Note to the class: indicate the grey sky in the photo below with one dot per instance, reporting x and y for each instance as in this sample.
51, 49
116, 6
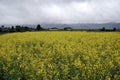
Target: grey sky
59, 11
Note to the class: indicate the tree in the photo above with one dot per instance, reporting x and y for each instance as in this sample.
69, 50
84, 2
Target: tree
18, 28
12, 29
2, 28
26, 28
103, 29
39, 27
114, 29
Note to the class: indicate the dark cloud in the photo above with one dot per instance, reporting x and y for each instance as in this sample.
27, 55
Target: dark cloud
58, 11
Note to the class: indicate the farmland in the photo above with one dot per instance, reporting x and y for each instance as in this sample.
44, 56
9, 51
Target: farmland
60, 55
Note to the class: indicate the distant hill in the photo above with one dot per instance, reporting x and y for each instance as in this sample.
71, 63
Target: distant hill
84, 26
77, 26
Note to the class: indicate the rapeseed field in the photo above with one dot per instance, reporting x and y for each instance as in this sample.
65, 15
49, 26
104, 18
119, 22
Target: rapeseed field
60, 55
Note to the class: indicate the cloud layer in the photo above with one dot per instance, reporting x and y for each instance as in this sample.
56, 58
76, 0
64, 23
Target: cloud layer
59, 11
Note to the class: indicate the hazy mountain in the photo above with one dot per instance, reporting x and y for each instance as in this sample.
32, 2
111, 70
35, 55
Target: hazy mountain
77, 26
84, 26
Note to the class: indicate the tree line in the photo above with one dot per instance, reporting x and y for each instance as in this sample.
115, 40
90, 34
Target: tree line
19, 28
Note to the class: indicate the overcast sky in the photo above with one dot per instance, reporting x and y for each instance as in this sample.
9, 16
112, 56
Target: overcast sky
59, 11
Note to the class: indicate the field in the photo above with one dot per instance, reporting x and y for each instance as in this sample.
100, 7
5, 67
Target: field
60, 55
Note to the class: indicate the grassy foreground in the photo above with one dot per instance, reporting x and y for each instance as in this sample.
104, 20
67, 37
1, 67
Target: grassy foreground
60, 56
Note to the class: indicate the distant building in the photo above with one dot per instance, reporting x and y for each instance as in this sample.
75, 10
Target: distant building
54, 28
67, 28
5, 29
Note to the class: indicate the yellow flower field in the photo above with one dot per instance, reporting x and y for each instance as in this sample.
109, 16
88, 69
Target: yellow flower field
60, 55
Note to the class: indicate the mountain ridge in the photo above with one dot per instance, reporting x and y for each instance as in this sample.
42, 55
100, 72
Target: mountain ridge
110, 25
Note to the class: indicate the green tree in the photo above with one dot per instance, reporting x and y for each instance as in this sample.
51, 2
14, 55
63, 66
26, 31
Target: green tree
12, 29
39, 27
18, 28
103, 29
114, 29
